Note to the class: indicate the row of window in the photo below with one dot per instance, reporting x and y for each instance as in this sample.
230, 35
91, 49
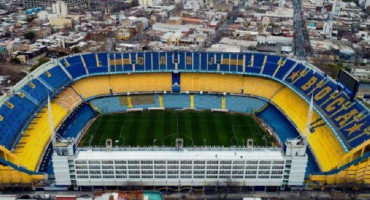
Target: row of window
177, 176
178, 167
79, 172
195, 162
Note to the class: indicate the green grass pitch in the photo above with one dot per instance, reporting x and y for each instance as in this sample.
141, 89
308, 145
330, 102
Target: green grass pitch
161, 128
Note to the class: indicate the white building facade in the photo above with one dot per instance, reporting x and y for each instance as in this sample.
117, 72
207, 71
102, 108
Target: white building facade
182, 167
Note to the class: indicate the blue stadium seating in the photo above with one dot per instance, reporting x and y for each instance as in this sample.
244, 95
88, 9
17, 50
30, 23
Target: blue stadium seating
109, 105
207, 101
176, 101
244, 104
14, 116
74, 66
94, 64
76, 121
285, 130
36, 90
55, 77
284, 69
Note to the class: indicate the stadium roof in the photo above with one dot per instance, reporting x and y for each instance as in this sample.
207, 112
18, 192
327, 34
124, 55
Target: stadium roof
255, 154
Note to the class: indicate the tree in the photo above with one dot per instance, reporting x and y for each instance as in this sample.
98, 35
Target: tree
76, 49
223, 188
30, 35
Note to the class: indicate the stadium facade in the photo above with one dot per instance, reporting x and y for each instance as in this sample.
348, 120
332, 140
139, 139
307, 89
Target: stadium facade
337, 133
158, 166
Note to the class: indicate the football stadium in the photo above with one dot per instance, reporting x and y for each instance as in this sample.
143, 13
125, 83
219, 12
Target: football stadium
182, 119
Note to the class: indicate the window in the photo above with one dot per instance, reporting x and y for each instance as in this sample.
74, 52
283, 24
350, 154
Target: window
185, 167
172, 167
121, 176
147, 172
277, 172
81, 162
172, 172
121, 167
250, 177
160, 176
238, 167
94, 162
107, 166
198, 176
81, 172
251, 172
95, 172
121, 172
134, 176
94, 167
173, 162
133, 167
212, 162
185, 176
185, 172
225, 162
108, 176
186, 162
160, 172
162, 162
81, 167
159, 167
134, 172
173, 176
133, 162
265, 162
108, 172
107, 162
237, 172
210, 176
199, 162
276, 177
238, 177
251, 167
225, 167
95, 176
147, 167
225, 172
278, 162
264, 167
199, 172
147, 176
263, 177
120, 162
211, 172
252, 162
212, 167
238, 162
264, 172
82, 176
277, 167
199, 167
146, 162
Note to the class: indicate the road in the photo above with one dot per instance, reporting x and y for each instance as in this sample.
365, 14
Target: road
299, 27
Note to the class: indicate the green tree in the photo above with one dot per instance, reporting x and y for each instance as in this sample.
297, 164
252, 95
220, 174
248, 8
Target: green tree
30, 36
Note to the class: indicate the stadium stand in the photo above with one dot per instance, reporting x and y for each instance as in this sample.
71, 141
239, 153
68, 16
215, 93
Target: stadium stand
176, 101
74, 66
141, 82
207, 101
55, 77
38, 134
244, 104
76, 121
96, 63
68, 99
14, 114
92, 86
36, 90
322, 141
285, 130
111, 104
211, 82
261, 87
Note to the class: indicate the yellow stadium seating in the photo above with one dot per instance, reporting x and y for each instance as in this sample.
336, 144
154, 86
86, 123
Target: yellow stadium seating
322, 141
211, 82
147, 82
261, 87
92, 86
35, 139
9, 175
68, 99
